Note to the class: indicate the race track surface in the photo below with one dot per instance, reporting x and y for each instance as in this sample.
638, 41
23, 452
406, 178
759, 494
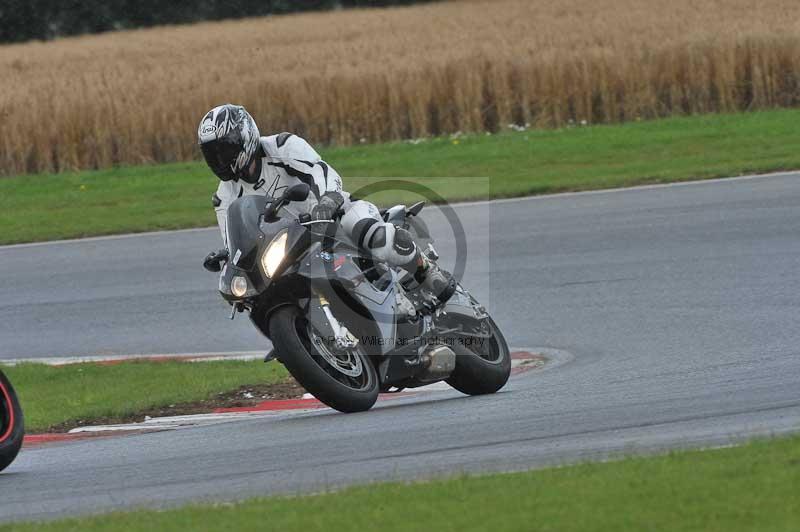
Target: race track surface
674, 311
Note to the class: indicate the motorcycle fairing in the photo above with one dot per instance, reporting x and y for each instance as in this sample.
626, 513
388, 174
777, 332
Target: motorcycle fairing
378, 304
244, 232
462, 304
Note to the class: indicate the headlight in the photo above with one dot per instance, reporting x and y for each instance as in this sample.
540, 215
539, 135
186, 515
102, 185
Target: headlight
239, 286
275, 253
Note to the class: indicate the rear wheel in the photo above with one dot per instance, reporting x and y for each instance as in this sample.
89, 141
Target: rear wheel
483, 364
342, 379
11, 423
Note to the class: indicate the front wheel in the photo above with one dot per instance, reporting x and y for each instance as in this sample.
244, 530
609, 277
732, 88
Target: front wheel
483, 364
344, 380
11, 424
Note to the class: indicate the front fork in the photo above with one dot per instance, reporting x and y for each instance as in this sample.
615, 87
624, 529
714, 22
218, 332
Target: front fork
343, 338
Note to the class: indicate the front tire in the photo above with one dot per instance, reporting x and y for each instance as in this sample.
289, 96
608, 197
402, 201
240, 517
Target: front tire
482, 369
348, 383
12, 428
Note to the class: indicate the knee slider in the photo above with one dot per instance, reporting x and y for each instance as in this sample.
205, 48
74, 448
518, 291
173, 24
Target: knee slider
403, 243
390, 244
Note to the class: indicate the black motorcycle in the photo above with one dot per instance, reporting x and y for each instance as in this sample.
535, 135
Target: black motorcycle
11, 424
346, 326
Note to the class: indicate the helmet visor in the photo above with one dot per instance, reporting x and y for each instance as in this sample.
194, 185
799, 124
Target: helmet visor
220, 156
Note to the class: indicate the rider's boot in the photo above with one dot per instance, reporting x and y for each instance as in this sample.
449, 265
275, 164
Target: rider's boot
434, 279
399, 249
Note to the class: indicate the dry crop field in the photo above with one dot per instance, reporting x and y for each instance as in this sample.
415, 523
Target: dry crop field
371, 75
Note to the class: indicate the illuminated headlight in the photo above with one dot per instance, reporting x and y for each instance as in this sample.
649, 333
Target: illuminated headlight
239, 286
275, 253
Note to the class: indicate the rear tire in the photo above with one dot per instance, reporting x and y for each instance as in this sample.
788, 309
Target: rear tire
304, 359
482, 370
12, 428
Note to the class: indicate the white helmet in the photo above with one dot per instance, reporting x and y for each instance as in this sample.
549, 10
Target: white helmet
229, 140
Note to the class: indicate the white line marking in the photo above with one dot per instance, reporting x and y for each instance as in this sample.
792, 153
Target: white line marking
107, 237
190, 357
555, 358
455, 204
615, 190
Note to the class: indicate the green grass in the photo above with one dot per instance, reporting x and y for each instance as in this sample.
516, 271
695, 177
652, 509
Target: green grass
56, 395
752, 487
174, 196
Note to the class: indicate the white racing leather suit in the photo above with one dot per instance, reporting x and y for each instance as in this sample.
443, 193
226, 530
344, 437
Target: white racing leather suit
289, 160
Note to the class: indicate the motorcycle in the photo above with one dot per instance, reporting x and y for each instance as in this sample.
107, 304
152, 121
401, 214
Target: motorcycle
345, 325
12, 428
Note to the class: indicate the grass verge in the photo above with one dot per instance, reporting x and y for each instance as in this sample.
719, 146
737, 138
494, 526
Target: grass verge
751, 487
62, 397
172, 196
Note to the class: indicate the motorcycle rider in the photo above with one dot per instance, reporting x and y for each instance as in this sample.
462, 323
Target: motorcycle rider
247, 163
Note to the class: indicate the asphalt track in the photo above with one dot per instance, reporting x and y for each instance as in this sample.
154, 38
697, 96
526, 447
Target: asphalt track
673, 309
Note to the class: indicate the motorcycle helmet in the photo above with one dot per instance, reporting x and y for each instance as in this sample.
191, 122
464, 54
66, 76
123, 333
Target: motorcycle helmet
229, 139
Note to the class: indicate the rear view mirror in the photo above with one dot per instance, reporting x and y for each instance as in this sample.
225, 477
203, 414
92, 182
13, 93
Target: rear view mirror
414, 209
298, 192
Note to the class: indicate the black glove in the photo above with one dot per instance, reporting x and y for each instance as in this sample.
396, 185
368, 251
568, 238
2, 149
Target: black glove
329, 204
213, 260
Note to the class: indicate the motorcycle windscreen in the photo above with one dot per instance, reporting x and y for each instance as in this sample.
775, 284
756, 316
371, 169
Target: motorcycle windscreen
244, 232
